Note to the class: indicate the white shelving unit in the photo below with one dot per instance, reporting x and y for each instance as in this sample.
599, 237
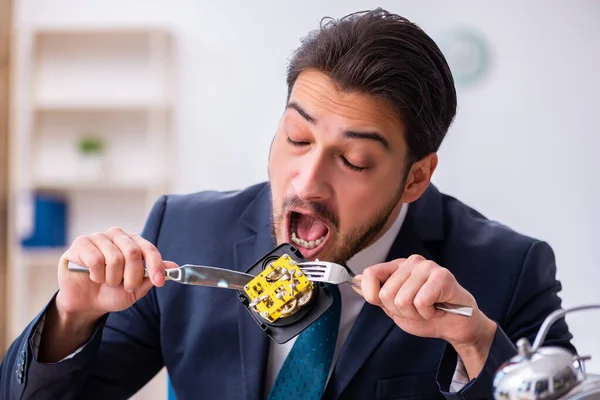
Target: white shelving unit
116, 85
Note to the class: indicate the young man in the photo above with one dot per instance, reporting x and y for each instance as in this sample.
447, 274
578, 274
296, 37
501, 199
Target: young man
370, 100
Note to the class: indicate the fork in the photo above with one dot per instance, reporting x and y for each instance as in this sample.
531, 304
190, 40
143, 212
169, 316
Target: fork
328, 272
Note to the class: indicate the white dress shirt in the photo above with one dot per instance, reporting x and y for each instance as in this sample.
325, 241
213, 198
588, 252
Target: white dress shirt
352, 303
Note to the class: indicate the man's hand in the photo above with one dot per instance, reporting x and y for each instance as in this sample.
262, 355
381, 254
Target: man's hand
407, 289
115, 282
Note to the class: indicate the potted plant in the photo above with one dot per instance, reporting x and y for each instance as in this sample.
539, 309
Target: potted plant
92, 157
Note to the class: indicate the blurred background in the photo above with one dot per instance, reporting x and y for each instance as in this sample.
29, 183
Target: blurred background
113, 103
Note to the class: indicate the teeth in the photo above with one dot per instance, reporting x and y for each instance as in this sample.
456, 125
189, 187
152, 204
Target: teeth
309, 245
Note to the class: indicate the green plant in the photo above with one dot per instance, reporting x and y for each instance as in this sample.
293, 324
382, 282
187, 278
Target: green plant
91, 145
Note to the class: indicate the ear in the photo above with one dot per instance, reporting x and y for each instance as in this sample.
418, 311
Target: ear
419, 177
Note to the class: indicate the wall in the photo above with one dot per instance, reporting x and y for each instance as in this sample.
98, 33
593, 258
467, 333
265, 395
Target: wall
522, 149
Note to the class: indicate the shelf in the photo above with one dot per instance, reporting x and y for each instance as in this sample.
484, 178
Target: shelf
110, 69
104, 105
99, 185
114, 84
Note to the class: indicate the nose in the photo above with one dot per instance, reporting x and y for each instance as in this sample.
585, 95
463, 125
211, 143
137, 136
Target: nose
311, 182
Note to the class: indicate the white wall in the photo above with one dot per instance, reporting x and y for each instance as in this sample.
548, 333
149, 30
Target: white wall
522, 147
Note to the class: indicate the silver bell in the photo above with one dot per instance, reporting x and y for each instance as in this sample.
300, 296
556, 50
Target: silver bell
547, 373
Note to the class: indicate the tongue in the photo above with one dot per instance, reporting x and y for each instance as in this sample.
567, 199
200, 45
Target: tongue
309, 228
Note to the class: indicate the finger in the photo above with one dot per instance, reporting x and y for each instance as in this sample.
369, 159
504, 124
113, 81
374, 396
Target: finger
113, 258
392, 286
133, 272
432, 291
84, 252
373, 278
153, 260
414, 260
405, 297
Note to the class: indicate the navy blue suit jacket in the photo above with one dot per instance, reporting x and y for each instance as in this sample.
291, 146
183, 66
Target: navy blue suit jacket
214, 350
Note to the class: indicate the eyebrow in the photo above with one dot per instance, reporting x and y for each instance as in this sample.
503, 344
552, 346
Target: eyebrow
368, 136
299, 110
348, 134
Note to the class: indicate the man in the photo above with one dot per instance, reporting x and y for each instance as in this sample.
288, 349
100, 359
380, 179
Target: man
370, 100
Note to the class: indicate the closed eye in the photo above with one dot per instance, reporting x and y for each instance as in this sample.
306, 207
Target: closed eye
347, 163
352, 166
297, 144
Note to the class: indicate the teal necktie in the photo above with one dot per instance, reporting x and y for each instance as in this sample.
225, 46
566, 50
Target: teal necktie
304, 372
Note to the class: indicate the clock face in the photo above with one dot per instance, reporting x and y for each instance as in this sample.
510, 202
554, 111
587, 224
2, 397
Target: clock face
467, 54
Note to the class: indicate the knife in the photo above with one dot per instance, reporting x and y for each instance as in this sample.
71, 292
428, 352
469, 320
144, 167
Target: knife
201, 275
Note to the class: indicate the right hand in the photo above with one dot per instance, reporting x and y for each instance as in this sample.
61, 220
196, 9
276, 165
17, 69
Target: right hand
116, 278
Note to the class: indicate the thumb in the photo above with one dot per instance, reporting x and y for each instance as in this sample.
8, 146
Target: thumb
147, 283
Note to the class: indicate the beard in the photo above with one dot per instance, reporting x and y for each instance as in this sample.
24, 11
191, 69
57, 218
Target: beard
340, 246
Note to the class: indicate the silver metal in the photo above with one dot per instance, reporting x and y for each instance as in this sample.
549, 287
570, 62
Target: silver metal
325, 271
200, 275
329, 272
546, 372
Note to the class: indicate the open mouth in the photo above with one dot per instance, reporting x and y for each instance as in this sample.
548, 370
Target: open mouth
308, 232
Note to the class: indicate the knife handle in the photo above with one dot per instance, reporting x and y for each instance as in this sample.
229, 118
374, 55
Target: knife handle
80, 268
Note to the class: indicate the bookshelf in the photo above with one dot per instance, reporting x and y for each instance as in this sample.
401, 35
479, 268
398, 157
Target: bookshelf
92, 129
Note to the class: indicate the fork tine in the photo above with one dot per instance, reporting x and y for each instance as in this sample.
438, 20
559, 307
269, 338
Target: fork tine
313, 269
312, 275
314, 272
322, 264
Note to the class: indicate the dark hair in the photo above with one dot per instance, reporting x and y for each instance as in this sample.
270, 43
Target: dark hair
388, 57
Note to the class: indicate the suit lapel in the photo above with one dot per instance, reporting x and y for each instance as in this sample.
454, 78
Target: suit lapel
254, 343
372, 324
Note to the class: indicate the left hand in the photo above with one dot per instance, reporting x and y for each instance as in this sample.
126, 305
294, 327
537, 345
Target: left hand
407, 289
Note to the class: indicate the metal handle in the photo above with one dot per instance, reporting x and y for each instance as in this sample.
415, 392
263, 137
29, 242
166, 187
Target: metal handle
552, 318
458, 309
77, 268
80, 268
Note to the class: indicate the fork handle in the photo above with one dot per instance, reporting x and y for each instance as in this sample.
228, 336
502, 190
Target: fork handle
457, 309
352, 283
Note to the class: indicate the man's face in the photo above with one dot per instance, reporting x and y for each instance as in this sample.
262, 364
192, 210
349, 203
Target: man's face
336, 169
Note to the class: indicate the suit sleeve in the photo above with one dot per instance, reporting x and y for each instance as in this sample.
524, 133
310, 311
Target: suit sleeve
535, 297
121, 356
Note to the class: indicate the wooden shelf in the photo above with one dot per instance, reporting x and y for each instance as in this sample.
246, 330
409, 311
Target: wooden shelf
106, 105
106, 185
